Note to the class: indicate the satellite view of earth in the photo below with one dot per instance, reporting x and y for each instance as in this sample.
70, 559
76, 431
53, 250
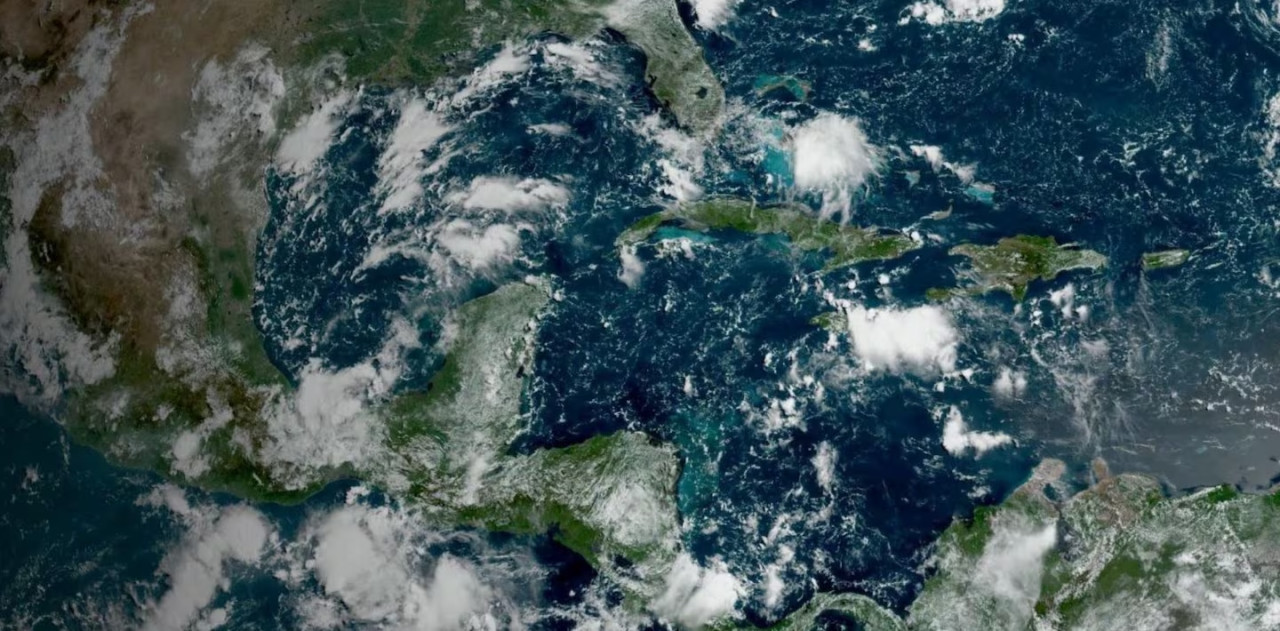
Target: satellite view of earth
640, 314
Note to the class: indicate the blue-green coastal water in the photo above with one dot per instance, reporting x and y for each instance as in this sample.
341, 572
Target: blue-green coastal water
1123, 127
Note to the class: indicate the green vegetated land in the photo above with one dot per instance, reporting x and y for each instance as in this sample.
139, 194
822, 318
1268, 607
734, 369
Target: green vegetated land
138, 413
217, 414
418, 43
844, 245
1119, 555
1013, 263
610, 498
1164, 259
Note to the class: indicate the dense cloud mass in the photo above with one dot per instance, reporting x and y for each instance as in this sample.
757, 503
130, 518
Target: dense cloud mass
938, 314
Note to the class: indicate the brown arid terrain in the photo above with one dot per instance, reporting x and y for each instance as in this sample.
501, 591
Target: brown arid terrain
112, 260
135, 143
38, 34
147, 254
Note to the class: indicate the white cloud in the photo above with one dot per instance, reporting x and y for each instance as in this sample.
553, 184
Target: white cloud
832, 155
1000, 586
382, 252
196, 568
919, 339
676, 247
303, 147
975, 10
479, 248
824, 465
580, 60
465, 244
713, 14
773, 585
401, 168
1012, 565
1271, 141
370, 559
510, 194
39, 339
45, 350
357, 558
240, 96
954, 11
632, 513
328, 425
632, 266
957, 438
1009, 383
933, 155
187, 454
681, 185
454, 249
327, 421
782, 413
1220, 588
550, 129
319, 613
1065, 301
929, 12
683, 157
507, 63
695, 596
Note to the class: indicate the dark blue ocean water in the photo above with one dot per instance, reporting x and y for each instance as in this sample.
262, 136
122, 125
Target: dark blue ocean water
1125, 127
84, 547
1122, 126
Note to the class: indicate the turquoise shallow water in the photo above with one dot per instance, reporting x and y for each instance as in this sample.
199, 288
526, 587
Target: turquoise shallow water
1070, 117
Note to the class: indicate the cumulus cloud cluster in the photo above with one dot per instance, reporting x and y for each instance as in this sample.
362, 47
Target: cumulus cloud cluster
353, 565
938, 162
1009, 383
957, 438
304, 146
695, 595
1012, 566
327, 421
919, 340
934, 14
402, 165
369, 559
831, 155
713, 14
231, 98
196, 567
509, 194
1271, 141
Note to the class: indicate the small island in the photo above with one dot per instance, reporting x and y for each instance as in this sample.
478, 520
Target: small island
1164, 259
834, 321
847, 245
797, 89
